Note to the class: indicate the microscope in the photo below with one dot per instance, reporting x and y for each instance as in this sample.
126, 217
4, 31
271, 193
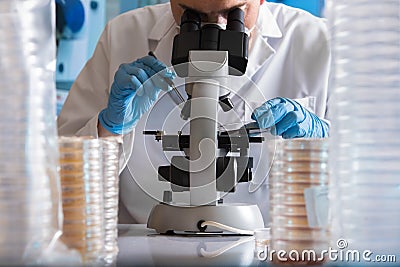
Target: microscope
213, 160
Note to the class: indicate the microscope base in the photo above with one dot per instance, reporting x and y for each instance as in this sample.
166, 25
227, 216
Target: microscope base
167, 219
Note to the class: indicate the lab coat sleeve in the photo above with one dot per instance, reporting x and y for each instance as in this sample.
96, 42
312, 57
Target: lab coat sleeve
89, 95
313, 66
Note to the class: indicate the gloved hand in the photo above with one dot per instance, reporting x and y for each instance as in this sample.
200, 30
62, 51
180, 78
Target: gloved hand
290, 119
133, 93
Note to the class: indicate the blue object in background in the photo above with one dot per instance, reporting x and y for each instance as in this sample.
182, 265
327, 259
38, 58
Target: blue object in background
79, 26
70, 14
315, 7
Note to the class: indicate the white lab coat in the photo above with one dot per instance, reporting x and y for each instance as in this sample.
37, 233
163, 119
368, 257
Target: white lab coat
289, 57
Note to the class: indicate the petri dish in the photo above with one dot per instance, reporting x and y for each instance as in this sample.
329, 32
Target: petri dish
262, 238
288, 210
299, 166
287, 199
288, 188
301, 155
309, 178
290, 221
303, 144
380, 191
283, 233
364, 204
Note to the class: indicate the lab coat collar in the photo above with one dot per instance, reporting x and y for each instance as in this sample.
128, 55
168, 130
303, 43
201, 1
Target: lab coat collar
266, 28
266, 23
162, 26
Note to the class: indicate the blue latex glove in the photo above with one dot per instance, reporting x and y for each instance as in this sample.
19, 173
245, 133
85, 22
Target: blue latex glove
290, 119
133, 93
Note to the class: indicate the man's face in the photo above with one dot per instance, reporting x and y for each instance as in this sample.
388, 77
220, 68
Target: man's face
216, 11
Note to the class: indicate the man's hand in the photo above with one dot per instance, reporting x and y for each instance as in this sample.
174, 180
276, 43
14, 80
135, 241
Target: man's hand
291, 120
133, 93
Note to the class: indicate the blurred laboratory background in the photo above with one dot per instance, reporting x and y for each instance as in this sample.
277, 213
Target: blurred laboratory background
81, 22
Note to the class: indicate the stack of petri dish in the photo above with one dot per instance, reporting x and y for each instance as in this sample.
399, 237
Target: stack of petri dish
298, 164
365, 147
82, 196
89, 171
29, 191
110, 155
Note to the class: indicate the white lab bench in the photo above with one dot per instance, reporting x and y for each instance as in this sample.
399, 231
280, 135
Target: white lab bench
139, 246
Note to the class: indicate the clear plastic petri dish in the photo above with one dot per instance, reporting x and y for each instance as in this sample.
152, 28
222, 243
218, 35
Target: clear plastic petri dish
110, 213
33, 203
67, 156
287, 199
74, 225
372, 234
72, 167
364, 219
21, 242
110, 184
74, 210
83, 231
29, 221
301, 155
300, 177
77, 235
111, 229
364, 124
361, 178
286, 188
73, 190
109, 205
365, 204
89, 250
303, 144
94, 198
110, 193
93, 209
74, 178
369, 150
110, 224
94, 220
21, 186
282, 233
262, 238
383, 165
72, 141
25, 195
23, 200
290, 221
381, 191
70, 190
288, 210
299, 166
110, 217
74, 202
374, 138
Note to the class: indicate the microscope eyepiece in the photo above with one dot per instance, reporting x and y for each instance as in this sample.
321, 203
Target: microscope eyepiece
235, 20
193, 36
190, 21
